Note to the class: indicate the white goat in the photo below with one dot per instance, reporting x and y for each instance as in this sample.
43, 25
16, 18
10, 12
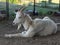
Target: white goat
42, 27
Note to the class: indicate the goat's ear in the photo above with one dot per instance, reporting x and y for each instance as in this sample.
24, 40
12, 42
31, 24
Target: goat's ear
16, 10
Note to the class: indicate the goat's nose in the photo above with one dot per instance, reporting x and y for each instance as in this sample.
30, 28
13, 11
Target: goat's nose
13, 23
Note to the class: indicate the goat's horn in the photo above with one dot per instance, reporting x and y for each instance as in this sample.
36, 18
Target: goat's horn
22, 8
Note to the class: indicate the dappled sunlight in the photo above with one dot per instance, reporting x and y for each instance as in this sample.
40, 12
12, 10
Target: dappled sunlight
55, 1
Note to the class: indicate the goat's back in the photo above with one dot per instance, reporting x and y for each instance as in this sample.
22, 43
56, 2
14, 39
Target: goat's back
48, 25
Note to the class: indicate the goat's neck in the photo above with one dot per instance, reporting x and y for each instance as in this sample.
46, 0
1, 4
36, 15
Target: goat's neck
28, 22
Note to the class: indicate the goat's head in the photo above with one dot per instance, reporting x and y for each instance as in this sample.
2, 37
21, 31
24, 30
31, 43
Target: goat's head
19, 16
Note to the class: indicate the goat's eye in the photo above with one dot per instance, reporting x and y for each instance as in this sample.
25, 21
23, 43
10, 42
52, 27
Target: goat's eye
19, 17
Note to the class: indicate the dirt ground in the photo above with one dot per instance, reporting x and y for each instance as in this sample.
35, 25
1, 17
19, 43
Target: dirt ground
7, 27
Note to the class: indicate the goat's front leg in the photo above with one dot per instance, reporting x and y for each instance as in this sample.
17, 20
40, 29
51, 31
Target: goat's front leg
15, 35
28, 33
12, 35
19, 26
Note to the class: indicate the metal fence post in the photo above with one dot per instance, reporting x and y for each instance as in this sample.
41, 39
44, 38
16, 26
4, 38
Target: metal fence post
7, 9
34, 8
59, 5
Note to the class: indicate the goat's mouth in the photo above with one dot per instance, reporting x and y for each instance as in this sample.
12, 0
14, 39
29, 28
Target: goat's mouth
14, 24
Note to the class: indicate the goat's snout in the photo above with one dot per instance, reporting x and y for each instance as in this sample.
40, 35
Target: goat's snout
13, 23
